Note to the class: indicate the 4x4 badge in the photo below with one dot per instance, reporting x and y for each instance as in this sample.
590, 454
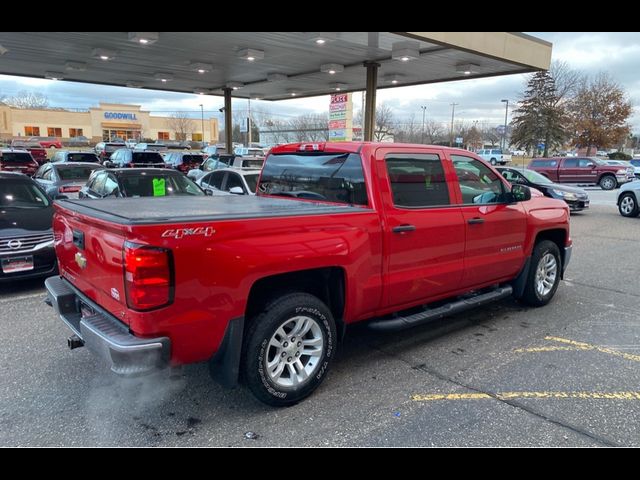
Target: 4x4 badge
178, 233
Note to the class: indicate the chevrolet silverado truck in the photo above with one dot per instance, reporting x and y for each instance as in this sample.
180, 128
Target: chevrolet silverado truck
262, 287
583, 171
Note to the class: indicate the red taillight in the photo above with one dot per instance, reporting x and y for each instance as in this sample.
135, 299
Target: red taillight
148, 276
69, 188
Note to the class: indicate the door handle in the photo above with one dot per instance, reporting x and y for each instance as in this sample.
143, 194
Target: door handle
403, 228
474, 221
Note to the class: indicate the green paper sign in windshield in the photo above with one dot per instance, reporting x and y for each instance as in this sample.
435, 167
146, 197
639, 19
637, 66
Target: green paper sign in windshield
159, 187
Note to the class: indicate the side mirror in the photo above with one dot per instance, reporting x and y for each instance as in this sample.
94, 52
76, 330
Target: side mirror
60, 196
107, 164
237, 191
208, 192
520, 193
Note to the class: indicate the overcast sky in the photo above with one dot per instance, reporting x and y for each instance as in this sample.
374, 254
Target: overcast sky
617, 53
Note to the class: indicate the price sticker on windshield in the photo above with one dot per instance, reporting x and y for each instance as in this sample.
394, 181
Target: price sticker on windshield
159, 187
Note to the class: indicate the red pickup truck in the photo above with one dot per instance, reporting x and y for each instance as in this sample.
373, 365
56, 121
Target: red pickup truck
263, 286
583, 171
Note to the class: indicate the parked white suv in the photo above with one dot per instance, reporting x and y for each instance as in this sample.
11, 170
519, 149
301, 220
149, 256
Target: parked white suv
494, 156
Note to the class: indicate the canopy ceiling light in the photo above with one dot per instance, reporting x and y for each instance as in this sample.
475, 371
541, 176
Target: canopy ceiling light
467, 68
405, 51
75, 66
235, 85
256, 96
200, 67
251, 54
54, 75
321, 38
276, 77
133, 84
292, 92
163, 77
144, 38
393, 78
103, 54
201, 91
338, 87
331, 68
3, 50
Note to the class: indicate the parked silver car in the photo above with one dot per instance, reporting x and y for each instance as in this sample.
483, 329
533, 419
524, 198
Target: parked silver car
628, 196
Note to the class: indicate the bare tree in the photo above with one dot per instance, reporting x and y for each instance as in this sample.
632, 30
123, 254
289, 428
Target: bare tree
313, 127
25, 99
180, 123
566, 81
434, 132
384, 123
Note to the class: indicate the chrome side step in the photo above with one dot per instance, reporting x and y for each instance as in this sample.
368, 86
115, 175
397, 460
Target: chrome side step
401, 323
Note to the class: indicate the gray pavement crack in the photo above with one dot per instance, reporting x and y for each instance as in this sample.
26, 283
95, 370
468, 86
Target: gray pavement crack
573, 428
614, 290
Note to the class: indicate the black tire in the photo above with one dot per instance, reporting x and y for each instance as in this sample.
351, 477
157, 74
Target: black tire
257, 350
630, 207
608, 182
531, 295
493, 161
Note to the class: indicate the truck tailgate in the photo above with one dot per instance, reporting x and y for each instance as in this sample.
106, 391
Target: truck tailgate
90, 256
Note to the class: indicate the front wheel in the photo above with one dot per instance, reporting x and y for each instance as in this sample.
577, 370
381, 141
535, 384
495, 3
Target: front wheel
544, 275
608, 182
628, 205
288, 349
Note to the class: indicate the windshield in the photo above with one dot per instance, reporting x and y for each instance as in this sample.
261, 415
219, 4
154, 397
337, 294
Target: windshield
21, 194
16, 157
333, 177
252, 163
82, 157
158, 185
535, 177
75, 173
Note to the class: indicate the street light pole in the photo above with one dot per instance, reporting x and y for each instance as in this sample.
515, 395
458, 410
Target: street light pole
249, 125
504, 133
424, 110
453, 111
202, 118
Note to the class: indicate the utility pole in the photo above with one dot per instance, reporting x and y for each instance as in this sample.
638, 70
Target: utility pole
424, 110
453, 111
249, 125
504, 133
202, 118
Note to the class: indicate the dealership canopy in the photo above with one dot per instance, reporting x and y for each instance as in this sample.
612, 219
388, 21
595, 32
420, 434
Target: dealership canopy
270, 65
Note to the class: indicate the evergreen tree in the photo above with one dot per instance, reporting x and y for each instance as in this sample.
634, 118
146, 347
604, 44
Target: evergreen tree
540, 117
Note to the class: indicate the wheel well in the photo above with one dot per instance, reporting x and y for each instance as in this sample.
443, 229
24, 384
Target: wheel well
608, 174
557, 236
328, 284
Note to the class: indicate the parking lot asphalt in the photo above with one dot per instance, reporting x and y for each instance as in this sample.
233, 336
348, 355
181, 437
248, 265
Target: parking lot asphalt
567, 374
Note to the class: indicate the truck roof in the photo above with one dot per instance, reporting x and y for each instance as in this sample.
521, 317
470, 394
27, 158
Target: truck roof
148, 210
353, 147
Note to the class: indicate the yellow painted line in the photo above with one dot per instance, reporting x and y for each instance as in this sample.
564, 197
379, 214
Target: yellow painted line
535, 395
547, 349
587, 346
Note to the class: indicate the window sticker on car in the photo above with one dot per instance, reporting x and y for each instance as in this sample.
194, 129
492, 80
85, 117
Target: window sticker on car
159, 189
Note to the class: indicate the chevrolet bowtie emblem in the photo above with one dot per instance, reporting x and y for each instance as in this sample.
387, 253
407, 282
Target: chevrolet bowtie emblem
80, 260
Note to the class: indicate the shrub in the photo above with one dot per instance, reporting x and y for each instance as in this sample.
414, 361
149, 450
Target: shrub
619, 156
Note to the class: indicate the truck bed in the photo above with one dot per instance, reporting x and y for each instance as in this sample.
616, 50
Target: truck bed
149, 211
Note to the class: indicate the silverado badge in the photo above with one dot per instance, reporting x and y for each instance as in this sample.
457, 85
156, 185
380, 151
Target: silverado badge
80, 260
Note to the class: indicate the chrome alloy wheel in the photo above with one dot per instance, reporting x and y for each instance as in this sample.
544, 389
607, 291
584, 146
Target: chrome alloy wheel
627, 205
294, 351
546, 273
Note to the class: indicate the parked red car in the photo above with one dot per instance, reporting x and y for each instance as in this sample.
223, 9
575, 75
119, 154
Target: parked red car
47, 142
16, 160
393, 234
583, 170
38, 153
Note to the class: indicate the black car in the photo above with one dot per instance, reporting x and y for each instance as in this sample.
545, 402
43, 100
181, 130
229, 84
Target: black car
65, 178
26, 236
138, 182
576, 198
125, 157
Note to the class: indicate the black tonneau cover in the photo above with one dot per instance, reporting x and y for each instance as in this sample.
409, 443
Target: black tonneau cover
180, 209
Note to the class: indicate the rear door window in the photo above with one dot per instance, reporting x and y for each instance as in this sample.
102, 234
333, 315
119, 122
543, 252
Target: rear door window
417, 180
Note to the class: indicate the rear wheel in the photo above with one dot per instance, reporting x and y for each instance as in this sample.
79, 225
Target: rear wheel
288, 349
628, 205
544, 275
608, 182
493, 161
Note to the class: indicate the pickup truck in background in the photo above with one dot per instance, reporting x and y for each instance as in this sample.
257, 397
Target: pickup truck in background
494, 156
582, 170
262, 287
